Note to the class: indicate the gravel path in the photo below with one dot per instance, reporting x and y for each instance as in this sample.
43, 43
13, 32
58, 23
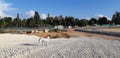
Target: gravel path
81, 47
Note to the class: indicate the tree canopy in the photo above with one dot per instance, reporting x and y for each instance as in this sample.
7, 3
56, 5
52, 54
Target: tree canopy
36, 21
116, 18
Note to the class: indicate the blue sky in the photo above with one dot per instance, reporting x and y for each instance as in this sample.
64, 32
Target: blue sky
76, 8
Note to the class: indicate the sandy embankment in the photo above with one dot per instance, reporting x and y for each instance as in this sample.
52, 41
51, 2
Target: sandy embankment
24, 46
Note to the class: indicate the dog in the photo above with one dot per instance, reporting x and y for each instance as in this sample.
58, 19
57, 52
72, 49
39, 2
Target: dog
43, 41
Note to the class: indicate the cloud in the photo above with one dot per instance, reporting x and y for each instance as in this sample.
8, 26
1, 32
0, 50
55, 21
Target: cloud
30, 13
43, 16
4, 15
88, 18
4, 7
101, 15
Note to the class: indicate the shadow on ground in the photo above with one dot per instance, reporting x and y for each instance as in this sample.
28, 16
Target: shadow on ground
27, 44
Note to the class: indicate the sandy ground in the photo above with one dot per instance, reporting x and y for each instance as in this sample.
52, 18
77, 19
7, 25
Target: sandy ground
27, 46
110, 29
76, 34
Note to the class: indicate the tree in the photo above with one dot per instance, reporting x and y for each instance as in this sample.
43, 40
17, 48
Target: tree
24, 23
3, 24
116, 18
102, 20
83, 22
45, 22
62, 21
59, 20
42, 24
37, 19
30, 22
8, 21
56, 21
77, 21
50, 20
17, 21
70, 21
92, 21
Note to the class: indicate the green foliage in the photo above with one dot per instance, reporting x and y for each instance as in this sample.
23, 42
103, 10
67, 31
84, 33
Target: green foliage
17, 22
50, 20
70, 21
36, 21
102, 20
30, 22
54, 30
6, 22
83, 22
42, 24
77, 21
24, 23
92, 21
116, 18
3, 24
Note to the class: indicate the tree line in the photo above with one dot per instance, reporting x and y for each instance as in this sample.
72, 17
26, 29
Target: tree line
36, 21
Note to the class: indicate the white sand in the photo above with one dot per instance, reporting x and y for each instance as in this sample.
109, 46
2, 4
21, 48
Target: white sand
24, 46
7, 40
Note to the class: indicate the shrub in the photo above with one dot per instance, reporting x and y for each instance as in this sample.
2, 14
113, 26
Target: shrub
54, 30
56, 36
1, 31
65, 35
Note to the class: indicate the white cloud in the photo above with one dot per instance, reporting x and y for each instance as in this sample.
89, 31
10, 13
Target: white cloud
43, 16
101, 15
86, 18
4, 15
4, 7
30, 13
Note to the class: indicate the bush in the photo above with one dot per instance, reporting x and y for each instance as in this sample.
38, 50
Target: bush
56, 36
54, 30
1, 31
65, 35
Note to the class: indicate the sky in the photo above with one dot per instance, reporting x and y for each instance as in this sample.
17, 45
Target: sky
77, 8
